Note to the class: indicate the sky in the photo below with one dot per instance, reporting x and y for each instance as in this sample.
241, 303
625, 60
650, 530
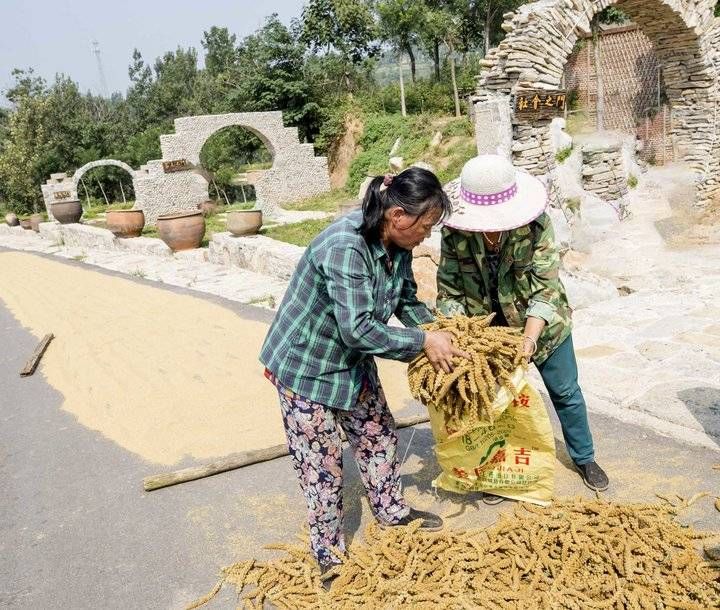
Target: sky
55, 36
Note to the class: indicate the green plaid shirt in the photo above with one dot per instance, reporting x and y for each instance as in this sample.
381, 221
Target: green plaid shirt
333, 319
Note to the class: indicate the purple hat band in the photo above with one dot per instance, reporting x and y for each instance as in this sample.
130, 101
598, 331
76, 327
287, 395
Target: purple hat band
491, 198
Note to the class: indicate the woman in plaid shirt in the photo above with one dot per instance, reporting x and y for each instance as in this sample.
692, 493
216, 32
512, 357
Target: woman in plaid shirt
320, 351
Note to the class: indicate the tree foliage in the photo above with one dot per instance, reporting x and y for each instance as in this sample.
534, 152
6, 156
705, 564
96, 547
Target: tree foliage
315, 71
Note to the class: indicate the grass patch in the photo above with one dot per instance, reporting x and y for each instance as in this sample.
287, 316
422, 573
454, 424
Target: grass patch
458, 127
236, 206
298, 233
563, 154
325, 202
95, 208
632, 181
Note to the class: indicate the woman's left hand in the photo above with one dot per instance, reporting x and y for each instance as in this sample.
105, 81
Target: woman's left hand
528, 348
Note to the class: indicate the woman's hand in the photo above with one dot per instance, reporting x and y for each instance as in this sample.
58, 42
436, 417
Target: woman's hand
440, 350
533, 329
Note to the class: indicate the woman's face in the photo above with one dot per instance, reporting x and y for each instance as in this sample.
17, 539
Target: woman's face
406, 231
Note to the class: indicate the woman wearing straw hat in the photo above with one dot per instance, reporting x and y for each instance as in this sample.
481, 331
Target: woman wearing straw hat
499, 256
320, 351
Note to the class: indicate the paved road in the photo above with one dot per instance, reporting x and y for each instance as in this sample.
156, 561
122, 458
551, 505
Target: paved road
77, 531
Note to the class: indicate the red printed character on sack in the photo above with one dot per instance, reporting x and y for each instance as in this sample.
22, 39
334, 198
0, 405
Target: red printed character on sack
522, 456
499, 457
460, 473
522, 401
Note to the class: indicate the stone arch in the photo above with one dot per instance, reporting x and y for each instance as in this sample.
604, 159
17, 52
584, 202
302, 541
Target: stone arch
296, 172
62, 187
686, 39
79, 173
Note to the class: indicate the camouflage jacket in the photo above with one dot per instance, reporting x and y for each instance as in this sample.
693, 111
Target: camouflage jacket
528, 281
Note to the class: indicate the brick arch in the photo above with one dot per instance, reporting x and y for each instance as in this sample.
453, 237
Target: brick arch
686, 38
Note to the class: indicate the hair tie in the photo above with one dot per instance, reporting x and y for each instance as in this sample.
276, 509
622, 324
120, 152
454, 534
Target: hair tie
387, 181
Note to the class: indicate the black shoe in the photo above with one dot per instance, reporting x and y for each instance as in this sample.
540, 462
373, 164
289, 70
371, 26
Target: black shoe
326, 579
492, 499
593, 476
430, 522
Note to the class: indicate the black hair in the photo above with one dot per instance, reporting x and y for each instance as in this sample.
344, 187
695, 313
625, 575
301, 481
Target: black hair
415, 190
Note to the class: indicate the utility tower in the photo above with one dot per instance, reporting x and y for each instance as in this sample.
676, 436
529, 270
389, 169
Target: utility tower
101, 73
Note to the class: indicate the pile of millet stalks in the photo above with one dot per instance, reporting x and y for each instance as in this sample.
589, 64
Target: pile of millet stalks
574, 555
469, 391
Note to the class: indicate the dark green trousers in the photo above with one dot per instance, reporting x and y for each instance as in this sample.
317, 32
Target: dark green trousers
560, 375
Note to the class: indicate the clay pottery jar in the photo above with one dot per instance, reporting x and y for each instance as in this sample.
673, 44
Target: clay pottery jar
208, 208
67, 212
244, 222
35, 221
125, 223
11, 219
181, 230
349, 206
25, 224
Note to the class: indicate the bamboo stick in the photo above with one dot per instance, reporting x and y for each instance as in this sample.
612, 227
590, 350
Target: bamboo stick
31, 365
240, 460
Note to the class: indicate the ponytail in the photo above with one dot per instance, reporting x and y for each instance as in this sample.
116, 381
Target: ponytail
373, 209
415, 190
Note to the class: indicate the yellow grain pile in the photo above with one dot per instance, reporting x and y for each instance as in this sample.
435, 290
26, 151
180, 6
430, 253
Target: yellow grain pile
574, 555
470, 390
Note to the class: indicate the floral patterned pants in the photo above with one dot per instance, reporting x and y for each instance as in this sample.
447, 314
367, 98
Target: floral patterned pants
313, 435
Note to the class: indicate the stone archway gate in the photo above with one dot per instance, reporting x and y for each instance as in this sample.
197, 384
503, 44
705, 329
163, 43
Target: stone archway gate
686, 38
61, 187
296, 172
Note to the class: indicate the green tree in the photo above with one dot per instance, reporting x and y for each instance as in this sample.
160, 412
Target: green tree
22, 166
171, 95
138, 95
346, 26
401, 22
220, 51
446, 25
270, 76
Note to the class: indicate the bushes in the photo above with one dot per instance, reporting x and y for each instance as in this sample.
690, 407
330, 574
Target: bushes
380, 134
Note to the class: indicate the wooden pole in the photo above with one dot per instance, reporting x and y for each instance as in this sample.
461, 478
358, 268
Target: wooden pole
31, 365
102, 190
240, 460
122, 190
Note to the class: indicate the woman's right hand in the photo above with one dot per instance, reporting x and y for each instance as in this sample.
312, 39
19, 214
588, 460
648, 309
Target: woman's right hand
440, 350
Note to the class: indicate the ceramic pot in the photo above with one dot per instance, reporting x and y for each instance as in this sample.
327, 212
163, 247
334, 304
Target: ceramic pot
11, 219
67, 212
244, 222
181, 230
208, 208
35, 221
125, 223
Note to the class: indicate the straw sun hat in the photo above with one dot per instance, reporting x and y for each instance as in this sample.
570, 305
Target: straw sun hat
492, 195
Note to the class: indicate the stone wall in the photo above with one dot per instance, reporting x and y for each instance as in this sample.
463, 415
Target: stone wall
603, 173
68, 186
159, 193
296, 172
541, 38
